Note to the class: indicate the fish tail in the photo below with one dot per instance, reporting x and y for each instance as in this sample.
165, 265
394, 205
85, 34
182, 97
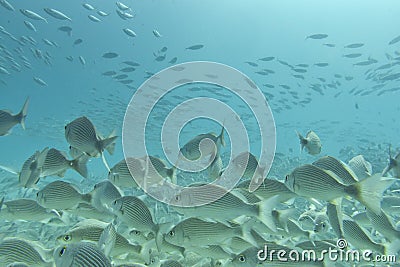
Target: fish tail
265, 212
221, 136
87, 198
21, 116
171, 172
303, 141
392, 248
79, 165
108, 144
369, 191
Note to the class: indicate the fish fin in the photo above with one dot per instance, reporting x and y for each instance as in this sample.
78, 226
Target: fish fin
9, 169
265, 212
107, 239
392, 248
303, 141
369, 191
79, 165
21, 116
390, 164
171, 172
221, 136
108, 144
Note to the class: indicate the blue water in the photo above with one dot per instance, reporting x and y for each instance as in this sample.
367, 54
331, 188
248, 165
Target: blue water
232, 33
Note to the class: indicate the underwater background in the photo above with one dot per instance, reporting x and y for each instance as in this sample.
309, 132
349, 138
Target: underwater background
354, 108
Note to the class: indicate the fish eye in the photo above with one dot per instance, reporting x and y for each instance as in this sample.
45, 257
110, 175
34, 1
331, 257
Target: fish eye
323, 225
67, 238
62, 251
171, 233
136, 232
242, 258
115, 202
287, 178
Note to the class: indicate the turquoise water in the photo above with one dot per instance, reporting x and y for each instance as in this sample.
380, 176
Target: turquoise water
233, 33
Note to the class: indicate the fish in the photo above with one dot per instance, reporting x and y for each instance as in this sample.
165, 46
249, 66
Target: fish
311, 181
22, 251
82, 60
393, 165
360, 166
247, 165
7, 5
30, 26
321, 224
317, 36
214, 170
85, 210
358, 237
173, 60
4, 71
81, 254
266, 58
66, 29
383, 224
353, 55
135, 213
131, 63
228, 201
110, 55
61, 195
311, 143
94, 18
102, 13
129, 32
127, 69
160, 58
195, 47
329, 45
109, 73
355, 45
92, 230
78, 41
27, 210
193, 232
253, 64
82, 135
124, 15
32, 15
30, 172
88, 6
334, 213
39, 81
321, 64
122, 6
156, 34
56, 14
8, 120
200, 147
120, 174
107, 239
104, 194
164, 49
395, 40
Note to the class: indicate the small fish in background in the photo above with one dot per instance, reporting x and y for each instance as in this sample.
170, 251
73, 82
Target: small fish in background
122, 6
110, 55
317, 36
81, 254
129, 32
156, 34
94, 18
88, 6
393, 165
195, 47
8, 120
56, 163
7, 5
30, 26
355, 45
66, 29
395, 40
57, 14
39, 81
78, 41
311, 142
32, 15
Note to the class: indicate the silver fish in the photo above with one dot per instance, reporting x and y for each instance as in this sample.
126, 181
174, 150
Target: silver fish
384, 225
393, 165
30, 26
104, 194
247, 164
31, 169
317, 36
6, 5
56, 163
129, 32
361, 167
80, 254
32, 15
22, 251
56, 14
61, 195
311, 181
27, 210
81, 134
135, 213
94, 18
8, 120
311, 142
